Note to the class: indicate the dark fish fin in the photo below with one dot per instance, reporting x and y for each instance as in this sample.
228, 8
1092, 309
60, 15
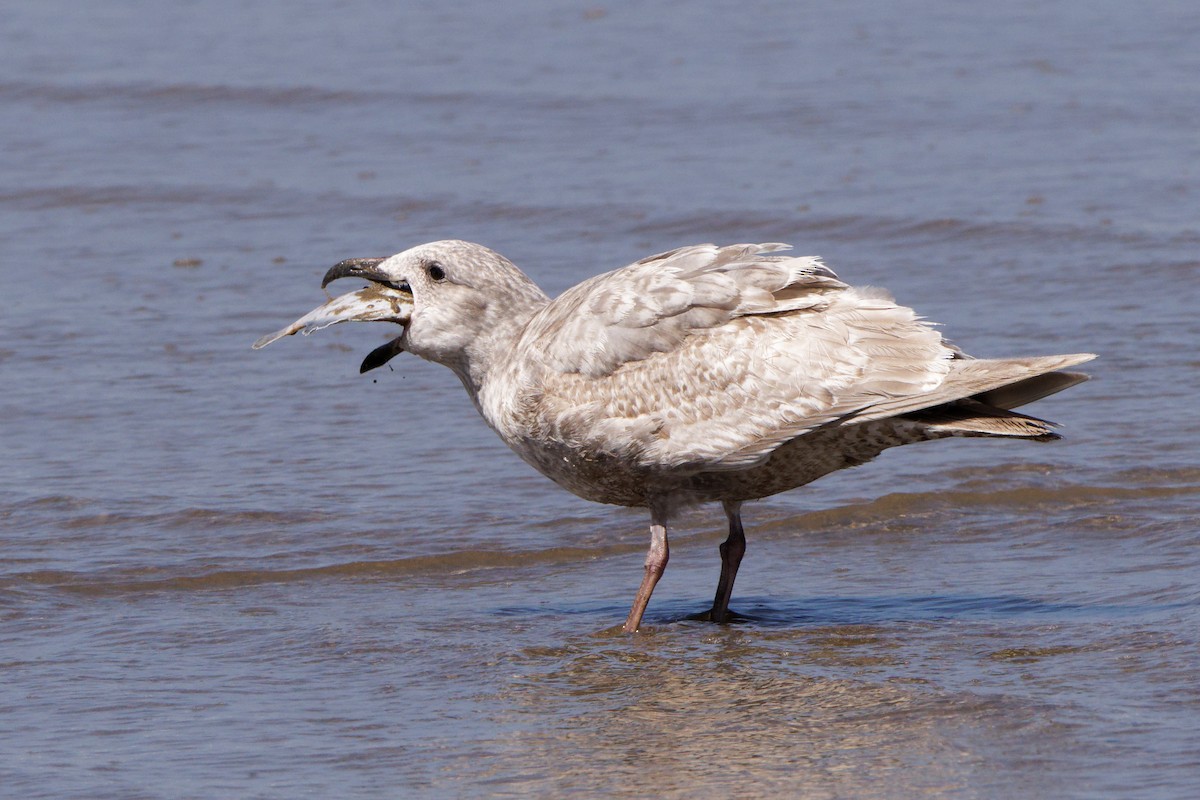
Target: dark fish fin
381, 355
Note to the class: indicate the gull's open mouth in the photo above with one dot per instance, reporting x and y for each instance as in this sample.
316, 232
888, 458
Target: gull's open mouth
382, 301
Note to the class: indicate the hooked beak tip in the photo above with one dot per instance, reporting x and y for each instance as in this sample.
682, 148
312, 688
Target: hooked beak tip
366, 268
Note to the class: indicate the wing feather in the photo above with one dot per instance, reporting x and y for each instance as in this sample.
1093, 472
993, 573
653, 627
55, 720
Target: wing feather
651, 306
712, 357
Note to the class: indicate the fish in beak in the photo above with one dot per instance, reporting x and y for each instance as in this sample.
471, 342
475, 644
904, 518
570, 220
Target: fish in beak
382, 301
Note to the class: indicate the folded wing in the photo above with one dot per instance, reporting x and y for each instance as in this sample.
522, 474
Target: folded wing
714, 356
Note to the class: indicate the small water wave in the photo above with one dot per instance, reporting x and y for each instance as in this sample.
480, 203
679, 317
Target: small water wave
1160, 476
909, 504
45, 198
194, 518
76, 512
175, 94
856, 615
106, 582
913, 231
231, 203
864, 610
142, 578
606, 220
280, 202
153, 96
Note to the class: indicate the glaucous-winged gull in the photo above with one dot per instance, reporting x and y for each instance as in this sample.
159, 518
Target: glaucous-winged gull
701, 374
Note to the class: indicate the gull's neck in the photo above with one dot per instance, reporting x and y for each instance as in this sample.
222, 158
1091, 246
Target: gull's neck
499, 329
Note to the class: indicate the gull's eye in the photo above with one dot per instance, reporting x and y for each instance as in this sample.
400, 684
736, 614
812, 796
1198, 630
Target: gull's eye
436, 272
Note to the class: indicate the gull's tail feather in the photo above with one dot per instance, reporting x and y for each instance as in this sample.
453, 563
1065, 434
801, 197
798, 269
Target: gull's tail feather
1014, 380
1022, 392
970, 418
988, 413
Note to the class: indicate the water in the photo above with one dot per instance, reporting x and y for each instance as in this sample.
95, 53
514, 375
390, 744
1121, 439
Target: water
258, 574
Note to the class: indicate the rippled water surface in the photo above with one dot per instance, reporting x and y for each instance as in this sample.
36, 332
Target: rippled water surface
227, 573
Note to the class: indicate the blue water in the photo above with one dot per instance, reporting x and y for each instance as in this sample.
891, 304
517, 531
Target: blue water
259, 574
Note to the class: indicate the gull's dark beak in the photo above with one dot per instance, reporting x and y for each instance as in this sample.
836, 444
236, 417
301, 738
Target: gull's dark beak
365, 268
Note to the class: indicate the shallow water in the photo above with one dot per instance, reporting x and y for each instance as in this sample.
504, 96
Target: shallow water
259, 574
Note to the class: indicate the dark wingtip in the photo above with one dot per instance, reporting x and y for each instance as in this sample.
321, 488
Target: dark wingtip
381, 355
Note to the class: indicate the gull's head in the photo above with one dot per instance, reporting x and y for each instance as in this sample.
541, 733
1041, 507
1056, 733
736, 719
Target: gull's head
451, 297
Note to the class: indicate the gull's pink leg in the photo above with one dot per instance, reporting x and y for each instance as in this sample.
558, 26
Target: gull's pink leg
656, 562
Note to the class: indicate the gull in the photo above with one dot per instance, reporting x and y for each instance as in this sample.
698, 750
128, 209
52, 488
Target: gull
702, 374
